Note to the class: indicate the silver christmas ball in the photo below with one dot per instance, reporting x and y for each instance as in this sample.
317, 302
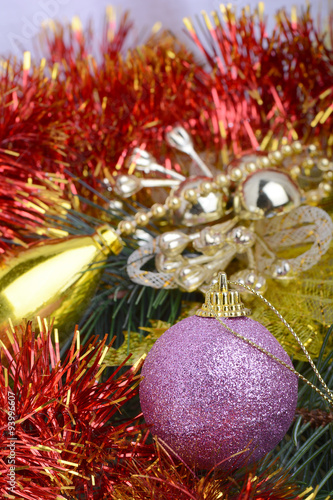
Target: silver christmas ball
267, 193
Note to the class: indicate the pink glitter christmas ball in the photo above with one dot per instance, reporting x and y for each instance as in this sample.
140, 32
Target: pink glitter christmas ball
209, 394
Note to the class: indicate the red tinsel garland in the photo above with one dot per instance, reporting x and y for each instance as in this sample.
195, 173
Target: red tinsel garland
57, 428
75, 113
269, 85
168, 479
65, 441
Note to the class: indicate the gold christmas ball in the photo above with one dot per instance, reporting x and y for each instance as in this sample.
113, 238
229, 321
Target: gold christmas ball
54, 278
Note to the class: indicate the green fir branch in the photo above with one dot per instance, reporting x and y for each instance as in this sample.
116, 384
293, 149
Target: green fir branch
306, 452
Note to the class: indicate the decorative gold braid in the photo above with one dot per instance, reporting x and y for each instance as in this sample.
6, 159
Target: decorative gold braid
329, 399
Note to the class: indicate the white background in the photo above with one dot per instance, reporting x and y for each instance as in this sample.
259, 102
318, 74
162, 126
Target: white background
20, 19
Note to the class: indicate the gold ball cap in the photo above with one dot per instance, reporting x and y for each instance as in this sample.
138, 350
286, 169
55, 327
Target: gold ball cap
221, 302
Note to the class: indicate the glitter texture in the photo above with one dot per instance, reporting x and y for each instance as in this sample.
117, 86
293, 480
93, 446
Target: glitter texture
208, 394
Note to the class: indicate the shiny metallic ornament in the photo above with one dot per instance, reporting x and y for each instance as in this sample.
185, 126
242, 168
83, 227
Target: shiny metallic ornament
251, 167
178, 138
246, 163
128, 185
325, 189
173, 203
191, 195
209, 241
126, 227
158, 211
141, 218
328, 176
142, 237
222, 181
297, 147
168, 265
206, 187
251, 278
282, 269
236, 174
275, 157
146, 163
325, 165
263, 162
208, 208
260, 196
190, 277
54, 278
221, 302
268, 193
212, 239
173, 243
295, 171
116, 207
287, 150
242, 237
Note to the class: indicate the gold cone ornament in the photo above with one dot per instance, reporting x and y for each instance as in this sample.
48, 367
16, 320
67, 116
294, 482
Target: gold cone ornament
54, 278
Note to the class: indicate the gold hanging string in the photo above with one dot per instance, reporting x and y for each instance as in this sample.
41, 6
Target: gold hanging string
281, 318
329, 398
